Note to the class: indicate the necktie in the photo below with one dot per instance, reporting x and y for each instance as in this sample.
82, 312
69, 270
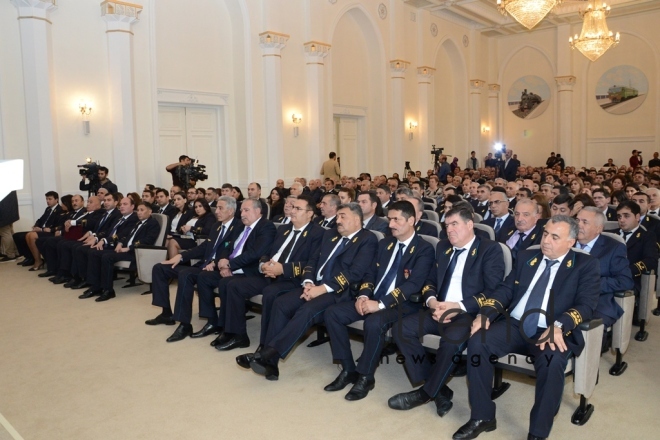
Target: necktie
134, 233
535, 300
444, 288
518, 245
105, 217
327, 269
215, 246
498, 225
385, 283
239, 245
284, 256
626, 235
161, 211
325, 223
582, 246
653, 212
50, 212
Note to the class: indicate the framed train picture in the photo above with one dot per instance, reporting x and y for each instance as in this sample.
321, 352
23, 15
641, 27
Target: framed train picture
529, 97
621, 90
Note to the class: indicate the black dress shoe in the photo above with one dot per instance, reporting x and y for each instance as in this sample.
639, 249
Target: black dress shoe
46, 274
27, 262
244, 360
52, 279
90, 293
221, 339
473, 428
406, 401
160, 319
270, 371
181, 332
533, 437
72, 283
106, 295
361, 388
208, 329
238, 341
342, 380
443, 401
80, 285
61, 280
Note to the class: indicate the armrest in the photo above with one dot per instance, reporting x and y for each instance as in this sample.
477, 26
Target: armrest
591, 324
150, 246
624, 294
585, 374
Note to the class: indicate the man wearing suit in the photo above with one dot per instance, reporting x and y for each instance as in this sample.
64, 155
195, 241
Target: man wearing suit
211, 196
44, 226
468, 269
420, 226
104, 241
238, 260
330, 168
344, 257
546, 296
329, 205
483, 195
511, 191
384, 195
368, 202
279, 272
601, 197
641, 245
285, 218
164, 206
222, 234
528, 230
615, 274
101, 265
651, 224
399, 270
501, 221
508, 166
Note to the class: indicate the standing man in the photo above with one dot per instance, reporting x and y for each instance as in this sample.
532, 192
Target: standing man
102, 182
173, 169
509, 166
444, 169
472, 162
561, 283
330, 168
636, 159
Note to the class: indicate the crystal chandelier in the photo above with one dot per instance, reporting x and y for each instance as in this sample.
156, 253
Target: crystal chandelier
527, 12
595, 38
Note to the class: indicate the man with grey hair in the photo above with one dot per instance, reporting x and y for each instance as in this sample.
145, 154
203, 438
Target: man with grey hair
528, 227
329, 206
654, 201
296, 189
547, 295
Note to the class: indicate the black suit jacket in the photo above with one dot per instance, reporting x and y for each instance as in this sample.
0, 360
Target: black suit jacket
169, 211
91, 221
146, 235
255, 246
615, 274
576, 289
308, 244
506, 230
376, 223
415, 265
481, 210
49, 222
426, 229
508, 171
642, 250
320, 219
483, 271
204, 225
106, 227
652, 225
204, 250
350, 264
533, 238
610, 214
123, 229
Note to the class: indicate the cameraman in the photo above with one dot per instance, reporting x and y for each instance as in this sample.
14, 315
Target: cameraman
102, 182
184, 161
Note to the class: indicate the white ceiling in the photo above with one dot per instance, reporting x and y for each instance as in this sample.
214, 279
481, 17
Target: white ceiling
484, 15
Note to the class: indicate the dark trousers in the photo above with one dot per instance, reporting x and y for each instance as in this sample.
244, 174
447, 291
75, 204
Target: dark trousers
376, 325
48, 248
292, 316
246, 288
100, 267
207, 281
185, 292
500, 339
65, 249
81, 257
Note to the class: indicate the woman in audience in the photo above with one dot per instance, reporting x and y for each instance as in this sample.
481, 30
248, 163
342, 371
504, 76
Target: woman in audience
194, 223
618, 197
576, 186
237, 194
201, 192
276, 202
542, 204
618, 182
579, 202
449, 202
181, 205
135, 197
631, 189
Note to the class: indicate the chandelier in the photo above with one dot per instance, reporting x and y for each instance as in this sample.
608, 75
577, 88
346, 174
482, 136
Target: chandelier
527, 12
595, 38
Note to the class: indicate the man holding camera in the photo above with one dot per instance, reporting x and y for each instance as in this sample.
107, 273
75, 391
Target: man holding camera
184, 161
102, 182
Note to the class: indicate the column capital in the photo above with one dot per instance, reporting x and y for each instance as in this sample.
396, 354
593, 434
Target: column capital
315, 51
272, 42
494, 90
425, 74
119, 16
398, 68
565, 83
476, 85
36, 9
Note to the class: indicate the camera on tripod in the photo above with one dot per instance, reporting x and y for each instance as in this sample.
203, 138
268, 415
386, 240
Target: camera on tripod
90, 170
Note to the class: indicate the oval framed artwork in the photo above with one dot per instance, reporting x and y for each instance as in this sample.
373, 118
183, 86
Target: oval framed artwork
621, 90
529, 97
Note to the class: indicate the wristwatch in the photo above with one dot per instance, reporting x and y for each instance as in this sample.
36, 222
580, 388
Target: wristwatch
559, 325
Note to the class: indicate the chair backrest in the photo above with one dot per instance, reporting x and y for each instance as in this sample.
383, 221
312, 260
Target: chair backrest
610, 226
488, 229
508, 260
162, 222
379, 235
432, 215
477, 218
429, 206
617, 237
432, 240
436, 225
654, 216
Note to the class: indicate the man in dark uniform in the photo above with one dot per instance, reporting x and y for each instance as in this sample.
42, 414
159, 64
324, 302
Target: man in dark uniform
528, 230
43, 227
601, 197
329, 205
501, 221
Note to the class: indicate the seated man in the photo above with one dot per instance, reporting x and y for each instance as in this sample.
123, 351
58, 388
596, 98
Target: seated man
280, 270
483, 195
420, 226
468, 268
345, 254
285, 218
399, 270
369, 202
223, 232
329, 204
101, 265
528, 230
501, 220
546, 296
43, 227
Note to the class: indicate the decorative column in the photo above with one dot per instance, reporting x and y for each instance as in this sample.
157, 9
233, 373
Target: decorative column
494, 113
33, 23
425, 99
398, 75
565, 127
119, 17
272, 44
474, 124
315, 52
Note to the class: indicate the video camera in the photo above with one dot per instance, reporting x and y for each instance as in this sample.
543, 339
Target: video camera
90, 170
194, 171
499, 150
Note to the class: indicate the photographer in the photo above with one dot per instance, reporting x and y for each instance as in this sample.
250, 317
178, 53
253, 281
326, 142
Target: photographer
94, 184
187, 172
184, 161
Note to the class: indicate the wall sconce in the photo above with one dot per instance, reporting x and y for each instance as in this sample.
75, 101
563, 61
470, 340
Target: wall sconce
485, 129
296, 118
85, 110
411, 126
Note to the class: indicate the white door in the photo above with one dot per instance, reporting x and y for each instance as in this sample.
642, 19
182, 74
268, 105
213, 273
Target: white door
347, 145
